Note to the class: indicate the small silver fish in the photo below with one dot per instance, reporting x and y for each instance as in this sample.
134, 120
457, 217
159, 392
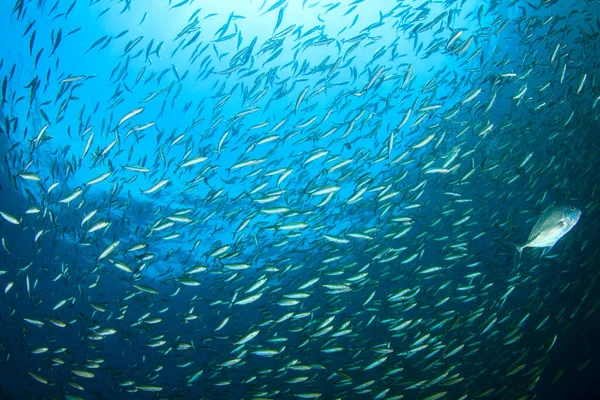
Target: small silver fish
549, 228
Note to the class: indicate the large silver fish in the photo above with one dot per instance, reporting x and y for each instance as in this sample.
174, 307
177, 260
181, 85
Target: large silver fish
550, 227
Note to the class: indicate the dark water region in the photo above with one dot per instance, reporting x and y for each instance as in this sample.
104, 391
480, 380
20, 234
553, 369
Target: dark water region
299, 200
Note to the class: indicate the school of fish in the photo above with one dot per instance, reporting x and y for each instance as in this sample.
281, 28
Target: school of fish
297, 199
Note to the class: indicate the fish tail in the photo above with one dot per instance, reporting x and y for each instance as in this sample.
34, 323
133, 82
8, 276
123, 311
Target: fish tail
518, 253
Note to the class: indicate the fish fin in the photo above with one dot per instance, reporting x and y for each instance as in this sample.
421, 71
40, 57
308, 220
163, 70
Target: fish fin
547, 250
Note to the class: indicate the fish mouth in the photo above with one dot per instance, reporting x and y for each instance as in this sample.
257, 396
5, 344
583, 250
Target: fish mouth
577, 216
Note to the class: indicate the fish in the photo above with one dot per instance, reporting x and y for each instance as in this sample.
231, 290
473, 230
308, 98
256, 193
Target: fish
130, 115
155, 187
549, 228
13, 220
300, 199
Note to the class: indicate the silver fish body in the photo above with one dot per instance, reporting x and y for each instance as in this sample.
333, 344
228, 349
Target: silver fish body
551, 225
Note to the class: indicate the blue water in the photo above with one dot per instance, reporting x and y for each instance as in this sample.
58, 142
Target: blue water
388, 152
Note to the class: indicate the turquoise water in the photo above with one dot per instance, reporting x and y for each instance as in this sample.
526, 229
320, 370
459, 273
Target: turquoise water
294, 199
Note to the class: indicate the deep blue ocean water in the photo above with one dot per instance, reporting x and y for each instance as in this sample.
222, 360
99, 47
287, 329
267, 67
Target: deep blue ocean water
297, 199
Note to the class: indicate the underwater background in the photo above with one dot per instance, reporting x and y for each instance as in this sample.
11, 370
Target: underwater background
285, 199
